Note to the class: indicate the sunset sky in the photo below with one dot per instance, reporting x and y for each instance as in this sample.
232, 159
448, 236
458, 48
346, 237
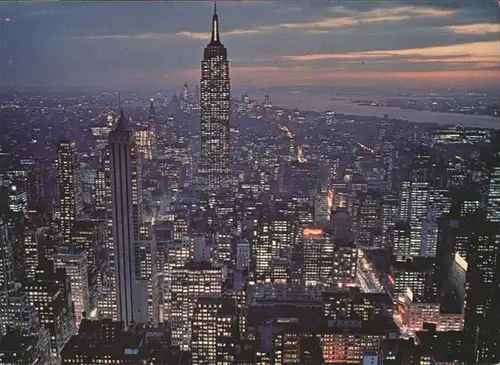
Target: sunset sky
152, 46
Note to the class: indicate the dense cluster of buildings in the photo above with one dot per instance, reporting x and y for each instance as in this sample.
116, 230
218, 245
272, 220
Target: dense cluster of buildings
248, 243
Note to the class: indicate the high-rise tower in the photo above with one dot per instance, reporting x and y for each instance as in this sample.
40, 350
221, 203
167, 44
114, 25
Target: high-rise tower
69, 186
214, 167
126, 201
152, 127
151, 116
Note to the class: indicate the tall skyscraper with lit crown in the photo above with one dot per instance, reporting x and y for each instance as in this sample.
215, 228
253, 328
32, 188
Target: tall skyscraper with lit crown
214, 167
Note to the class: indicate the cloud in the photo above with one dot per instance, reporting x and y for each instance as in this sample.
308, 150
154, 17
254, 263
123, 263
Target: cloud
469, 51
233, 32
373, 16
318, 31
316, 26
154, 36
355, 18
101, 37
467, 58
273, 42
160, 35
289, 9
151, 35
478, 28
411, 11
294, 76
194, 35
245, 31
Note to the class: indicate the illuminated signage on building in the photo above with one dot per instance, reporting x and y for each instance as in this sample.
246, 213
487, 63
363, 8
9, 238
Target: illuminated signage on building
313, 232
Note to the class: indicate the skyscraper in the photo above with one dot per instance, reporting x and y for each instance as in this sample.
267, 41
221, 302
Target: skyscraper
7, 280
126, 201
188, 283
19, 319
17, 198
100, 197
214, 167
414, 205
322, 206
152, 126
214, 319
69, 186
483, 290
74, 260
274, 234
145, 137
318, 256
493, 194
50, 293
368, 215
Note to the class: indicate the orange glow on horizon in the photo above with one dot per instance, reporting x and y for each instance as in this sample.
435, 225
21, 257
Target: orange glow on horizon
474, 49
294, 76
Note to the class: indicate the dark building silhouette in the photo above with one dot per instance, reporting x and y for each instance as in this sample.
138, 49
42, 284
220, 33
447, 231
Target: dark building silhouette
482, 320
100, 341
126, 203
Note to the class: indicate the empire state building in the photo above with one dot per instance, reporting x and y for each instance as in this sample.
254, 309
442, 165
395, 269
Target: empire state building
214, 167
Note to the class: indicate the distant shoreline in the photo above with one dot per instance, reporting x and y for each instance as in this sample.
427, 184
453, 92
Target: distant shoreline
343, 106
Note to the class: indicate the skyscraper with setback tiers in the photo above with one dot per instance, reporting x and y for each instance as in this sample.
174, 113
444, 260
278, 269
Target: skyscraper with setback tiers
214, 167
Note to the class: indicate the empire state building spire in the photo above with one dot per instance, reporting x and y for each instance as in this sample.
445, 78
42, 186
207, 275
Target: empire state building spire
215, 26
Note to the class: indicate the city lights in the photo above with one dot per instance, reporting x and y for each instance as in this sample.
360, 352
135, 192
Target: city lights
323, 190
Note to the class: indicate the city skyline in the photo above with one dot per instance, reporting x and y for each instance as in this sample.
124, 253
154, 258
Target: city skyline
157, 45
214, 226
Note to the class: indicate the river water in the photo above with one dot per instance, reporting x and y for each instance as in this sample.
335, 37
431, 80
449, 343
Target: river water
317, 102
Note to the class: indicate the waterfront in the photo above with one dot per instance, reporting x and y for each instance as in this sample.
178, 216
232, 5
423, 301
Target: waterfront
313, 101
